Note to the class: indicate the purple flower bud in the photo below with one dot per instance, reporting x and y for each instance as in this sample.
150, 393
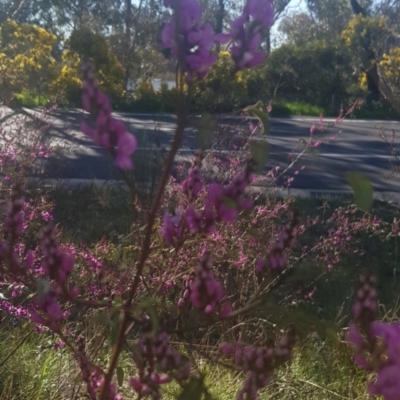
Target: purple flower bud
226, 349
226, 310
181, 303
206, 291
163, 379
209, 309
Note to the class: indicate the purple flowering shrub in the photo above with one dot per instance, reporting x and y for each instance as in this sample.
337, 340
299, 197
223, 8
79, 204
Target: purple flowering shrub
376, 343
201, 261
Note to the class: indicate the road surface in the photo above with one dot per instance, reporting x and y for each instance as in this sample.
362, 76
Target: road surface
353, 145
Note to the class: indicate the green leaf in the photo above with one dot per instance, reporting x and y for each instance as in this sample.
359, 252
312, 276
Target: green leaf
193, 390
204, 132
120, 376
259, 151
261, 116
362, 189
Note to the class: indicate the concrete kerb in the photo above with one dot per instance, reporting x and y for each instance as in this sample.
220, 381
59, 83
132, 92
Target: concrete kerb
384, 196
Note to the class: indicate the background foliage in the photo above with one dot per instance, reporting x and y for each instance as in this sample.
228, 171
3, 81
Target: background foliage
321, 55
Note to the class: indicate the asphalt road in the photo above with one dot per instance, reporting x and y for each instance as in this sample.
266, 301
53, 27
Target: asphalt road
355, 145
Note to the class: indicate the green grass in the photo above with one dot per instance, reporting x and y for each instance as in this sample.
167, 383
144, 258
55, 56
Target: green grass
288, 109
378, 111
34, 371
29, 99
320, 370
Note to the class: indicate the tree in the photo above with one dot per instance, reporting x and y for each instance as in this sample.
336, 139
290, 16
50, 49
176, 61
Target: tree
25, 11
59, 16
357, 8
99, 15
137, 42
365, 37
298, 29
390, 71
85, 44
330, 17
221, 90
316, 72
27, 60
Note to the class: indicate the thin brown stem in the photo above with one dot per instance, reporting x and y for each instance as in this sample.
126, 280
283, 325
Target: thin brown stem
145, 250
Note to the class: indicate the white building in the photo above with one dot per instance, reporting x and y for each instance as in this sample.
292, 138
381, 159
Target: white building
156, 83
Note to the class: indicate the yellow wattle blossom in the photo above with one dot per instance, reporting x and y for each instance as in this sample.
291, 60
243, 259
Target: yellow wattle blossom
27, 57
363, 80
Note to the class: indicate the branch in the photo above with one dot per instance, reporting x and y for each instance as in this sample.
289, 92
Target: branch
145, 250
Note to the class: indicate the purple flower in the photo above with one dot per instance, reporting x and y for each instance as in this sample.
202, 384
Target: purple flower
126, 145
228, 201
172, 227
56, 264
390, 334
387, 383
193, 50
246, 33
206, 291
318, 143
261, 10
193, 184
109, 132
193, 218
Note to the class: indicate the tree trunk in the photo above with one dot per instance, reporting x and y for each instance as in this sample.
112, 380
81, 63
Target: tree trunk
268, 41
373, 85
219, 23
128, 29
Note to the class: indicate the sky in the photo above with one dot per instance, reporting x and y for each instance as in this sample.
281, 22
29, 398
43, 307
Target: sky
295, 6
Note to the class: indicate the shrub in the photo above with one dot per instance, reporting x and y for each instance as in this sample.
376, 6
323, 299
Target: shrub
205, 269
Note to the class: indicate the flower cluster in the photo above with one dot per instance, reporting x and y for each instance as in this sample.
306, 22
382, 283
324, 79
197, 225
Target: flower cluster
228, 201
57, 266
258, 363
223, 204
247, 32
13, 227
153, 354
187, 283
14, 213
46, 301
377, 344
55, 263
206, 292
277, 258
172, 228
189, 40
109, 133
97, 380
193, 184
